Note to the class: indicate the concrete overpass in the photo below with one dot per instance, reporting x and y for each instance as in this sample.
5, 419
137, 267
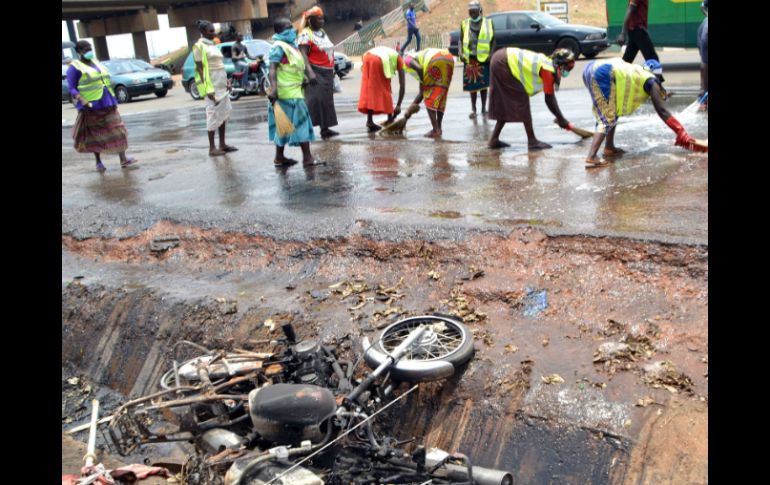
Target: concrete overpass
100, 18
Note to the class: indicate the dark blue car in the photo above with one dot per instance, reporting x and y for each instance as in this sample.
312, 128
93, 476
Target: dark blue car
541, 32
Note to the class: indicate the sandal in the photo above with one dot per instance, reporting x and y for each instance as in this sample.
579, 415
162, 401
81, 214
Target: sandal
596, 163
228, 148
287, 162
129, 161
216, 153
100, 167
613, 152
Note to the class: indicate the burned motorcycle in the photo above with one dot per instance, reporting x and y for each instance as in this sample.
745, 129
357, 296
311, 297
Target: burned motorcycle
257, 82
300, 417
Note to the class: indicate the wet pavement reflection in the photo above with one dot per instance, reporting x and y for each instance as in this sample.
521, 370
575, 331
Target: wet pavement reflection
656, 190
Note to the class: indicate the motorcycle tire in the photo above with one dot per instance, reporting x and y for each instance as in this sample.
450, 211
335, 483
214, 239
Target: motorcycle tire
264, 87
235, 95
452, 341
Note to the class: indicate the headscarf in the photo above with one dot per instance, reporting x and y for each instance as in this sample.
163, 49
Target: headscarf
311, 12
563, 58
654, 67
289, 36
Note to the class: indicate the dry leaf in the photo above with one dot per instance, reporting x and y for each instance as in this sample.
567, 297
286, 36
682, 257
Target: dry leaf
510, 348
552, 379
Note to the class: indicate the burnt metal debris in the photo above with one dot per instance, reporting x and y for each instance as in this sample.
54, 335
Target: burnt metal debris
298, 414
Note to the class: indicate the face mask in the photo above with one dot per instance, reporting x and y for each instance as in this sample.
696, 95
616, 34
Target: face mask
476, 19
88, 55
565, 73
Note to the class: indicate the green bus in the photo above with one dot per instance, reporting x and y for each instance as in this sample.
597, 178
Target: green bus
671, 23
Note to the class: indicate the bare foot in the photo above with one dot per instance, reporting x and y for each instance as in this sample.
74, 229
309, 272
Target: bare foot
472, 115
539, 145
498, 144
432, 134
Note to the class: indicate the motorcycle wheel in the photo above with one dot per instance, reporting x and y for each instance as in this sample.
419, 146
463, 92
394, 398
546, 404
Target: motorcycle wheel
264, 88
235, 95
451, 341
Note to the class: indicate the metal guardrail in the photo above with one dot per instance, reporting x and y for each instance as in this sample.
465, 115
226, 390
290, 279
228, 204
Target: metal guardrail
363, 40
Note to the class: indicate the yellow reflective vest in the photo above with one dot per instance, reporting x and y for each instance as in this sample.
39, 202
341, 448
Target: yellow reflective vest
423, 58
389, 59
92, 82
483, 43
629, 86
205, 86
290, 76
526, 65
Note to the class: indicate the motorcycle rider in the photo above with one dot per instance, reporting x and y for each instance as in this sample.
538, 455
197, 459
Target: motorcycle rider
240, 60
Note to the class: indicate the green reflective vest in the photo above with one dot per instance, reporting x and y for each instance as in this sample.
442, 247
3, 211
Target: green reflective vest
629, 86
389, 59
205, 86
525, 66
423, 57
290, 76
483, 43
92, 82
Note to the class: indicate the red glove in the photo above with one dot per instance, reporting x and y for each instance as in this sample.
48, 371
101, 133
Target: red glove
683, 139
675, 125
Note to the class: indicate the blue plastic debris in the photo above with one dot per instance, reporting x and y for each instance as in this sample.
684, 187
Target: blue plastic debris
535, 302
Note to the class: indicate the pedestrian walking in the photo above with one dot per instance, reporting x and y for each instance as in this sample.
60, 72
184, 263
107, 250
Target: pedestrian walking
98, 128
635, 28
411, 28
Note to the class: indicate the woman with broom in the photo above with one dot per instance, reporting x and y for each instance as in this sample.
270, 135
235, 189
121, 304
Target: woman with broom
434, 69
518, 74
379, 66
288, 119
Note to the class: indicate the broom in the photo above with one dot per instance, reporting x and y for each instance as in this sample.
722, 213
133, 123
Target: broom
397, 127
283, 124
578, 131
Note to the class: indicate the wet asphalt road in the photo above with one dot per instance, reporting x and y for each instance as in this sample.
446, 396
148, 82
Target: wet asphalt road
397, 187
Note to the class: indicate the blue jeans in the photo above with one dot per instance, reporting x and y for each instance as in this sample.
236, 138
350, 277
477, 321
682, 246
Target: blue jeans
410, 33
243, 66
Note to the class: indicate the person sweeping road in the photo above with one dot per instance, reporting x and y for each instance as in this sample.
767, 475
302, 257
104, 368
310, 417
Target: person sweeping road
434, 69
517, 75
618, 88
379, 66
